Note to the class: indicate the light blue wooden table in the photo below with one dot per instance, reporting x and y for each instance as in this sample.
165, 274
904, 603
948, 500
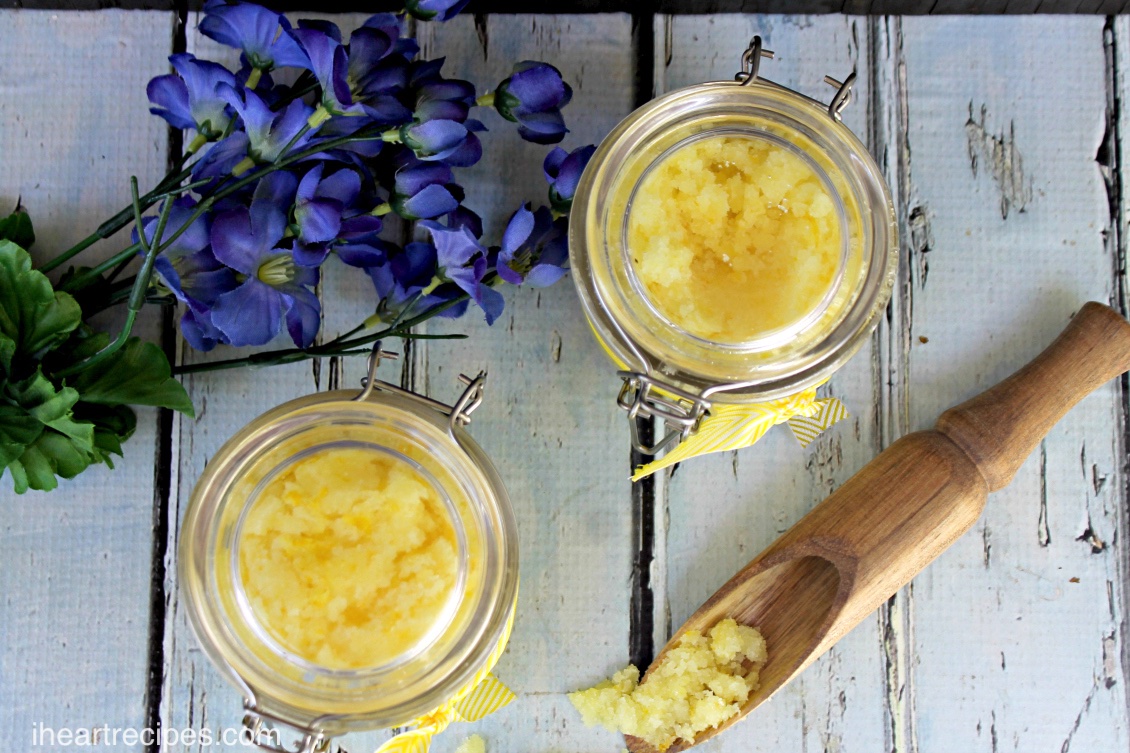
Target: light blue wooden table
1002, 139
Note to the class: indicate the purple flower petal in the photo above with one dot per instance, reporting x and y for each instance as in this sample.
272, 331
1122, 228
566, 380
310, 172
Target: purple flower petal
361, 227
234, 243
329, 28
318, 221
270, 206
537, 86
249, 315
432, 201
259, 32
304, 316
517, 231
330, 65
310, 255
571, 170
551, 167
544, 275
454, 247
409, 181
465, 218
221, 157
169, 96
466, 154
309, 182
199, 332
343, 186
434, 138
362, 255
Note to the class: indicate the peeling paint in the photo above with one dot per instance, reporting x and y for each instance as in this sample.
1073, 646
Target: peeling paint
1005, 165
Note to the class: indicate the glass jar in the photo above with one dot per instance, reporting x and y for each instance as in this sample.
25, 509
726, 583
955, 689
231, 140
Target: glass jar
280, 686
668, 372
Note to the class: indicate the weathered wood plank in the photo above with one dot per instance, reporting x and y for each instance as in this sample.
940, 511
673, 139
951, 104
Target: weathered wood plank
549, 420
1017, 630
75, 563
194, 695
642, 7
725, 508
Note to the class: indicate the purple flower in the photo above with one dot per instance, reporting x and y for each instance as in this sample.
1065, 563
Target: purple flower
188, 98
424, 190
187, 266
274, 287
443, 140
330, 65
427, 10
534, 249
461, 259
563, 171
318, 211
266, 133
403, 276
533, 97
259, 32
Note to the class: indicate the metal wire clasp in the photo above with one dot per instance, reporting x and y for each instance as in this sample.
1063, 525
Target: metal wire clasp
751, 62
313, 740
458, 414
644, 397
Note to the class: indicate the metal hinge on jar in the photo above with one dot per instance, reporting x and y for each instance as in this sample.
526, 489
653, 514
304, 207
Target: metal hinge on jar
268, 738
643, 396
458, 414
751, 62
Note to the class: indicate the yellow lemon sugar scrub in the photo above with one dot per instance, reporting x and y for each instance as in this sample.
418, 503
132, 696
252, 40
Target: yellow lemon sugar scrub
734, 237
699, 684
348, 557
349, 560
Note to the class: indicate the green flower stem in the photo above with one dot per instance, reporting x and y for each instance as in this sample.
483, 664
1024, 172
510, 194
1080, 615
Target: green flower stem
485, 100
140, 285
381, 210
207, 202
339, 346
253, 78
79, 280
392, 137
121, 219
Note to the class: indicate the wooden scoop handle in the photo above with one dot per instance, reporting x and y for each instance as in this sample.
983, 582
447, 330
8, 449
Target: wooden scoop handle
1000, 428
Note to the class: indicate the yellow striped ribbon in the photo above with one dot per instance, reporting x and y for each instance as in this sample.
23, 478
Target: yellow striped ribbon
732, 427
483, 695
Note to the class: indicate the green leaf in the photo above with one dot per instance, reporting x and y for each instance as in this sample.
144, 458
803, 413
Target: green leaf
16, 228
7, 350
17, 431
51, 407
113, 424
138, 374
51, 454
32, 314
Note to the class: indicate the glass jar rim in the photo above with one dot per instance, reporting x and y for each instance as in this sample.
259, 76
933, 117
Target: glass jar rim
726, 374
335, 700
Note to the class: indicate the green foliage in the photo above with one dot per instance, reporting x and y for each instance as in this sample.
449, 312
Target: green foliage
51, 427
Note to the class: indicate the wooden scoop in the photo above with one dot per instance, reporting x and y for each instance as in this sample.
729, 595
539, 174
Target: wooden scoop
904, 508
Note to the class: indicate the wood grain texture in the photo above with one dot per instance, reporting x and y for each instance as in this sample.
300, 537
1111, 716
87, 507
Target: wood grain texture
855, 549
75, 563
1007, 213
194, 695
724, 508
688, 7
549, 420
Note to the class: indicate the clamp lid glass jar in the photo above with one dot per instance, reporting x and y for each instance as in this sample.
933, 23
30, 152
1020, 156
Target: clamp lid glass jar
731, 242
351, 561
